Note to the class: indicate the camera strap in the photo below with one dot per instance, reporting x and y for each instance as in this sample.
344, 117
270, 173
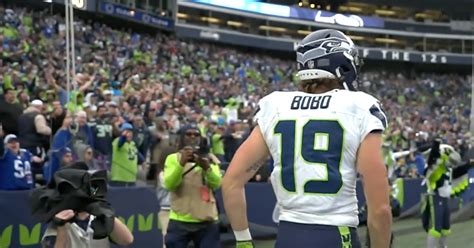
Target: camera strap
204, 181
189, 170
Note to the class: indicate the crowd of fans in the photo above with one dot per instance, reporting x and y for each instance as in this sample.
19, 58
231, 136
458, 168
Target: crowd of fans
154, 85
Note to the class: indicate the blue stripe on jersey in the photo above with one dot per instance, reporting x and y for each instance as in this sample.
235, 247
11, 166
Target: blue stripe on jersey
377, 112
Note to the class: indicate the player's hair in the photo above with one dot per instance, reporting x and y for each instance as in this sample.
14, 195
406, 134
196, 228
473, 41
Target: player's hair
320, 85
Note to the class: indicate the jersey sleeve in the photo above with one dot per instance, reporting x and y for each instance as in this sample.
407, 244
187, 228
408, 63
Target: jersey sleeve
373, 117
265, 113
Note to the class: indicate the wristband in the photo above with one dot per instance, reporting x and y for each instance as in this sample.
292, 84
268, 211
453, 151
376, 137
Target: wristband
244, 244
59, 222
243, 235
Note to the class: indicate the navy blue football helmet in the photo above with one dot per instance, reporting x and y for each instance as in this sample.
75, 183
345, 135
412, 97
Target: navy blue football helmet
328, 53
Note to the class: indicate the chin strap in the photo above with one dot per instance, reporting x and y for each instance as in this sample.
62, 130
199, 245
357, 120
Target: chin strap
345, 86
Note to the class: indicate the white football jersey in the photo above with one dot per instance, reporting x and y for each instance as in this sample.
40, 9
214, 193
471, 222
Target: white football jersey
313, 140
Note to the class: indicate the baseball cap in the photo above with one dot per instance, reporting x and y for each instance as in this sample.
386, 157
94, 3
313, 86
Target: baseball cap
10, 138
64, 151
112, 104
183, 130
37, 103
126, 126
107, 92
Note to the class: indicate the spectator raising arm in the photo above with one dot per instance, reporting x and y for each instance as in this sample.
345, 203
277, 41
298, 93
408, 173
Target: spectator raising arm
42, 126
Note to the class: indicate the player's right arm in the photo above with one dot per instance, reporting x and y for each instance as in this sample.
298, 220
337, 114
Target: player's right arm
244, 165
371, 166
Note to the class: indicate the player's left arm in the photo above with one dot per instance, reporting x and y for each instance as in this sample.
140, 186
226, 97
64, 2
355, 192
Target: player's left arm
244, 165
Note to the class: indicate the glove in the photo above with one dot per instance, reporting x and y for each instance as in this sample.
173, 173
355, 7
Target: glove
244, 244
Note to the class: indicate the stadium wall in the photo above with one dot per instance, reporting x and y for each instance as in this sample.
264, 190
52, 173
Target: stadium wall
138, 209
289, 45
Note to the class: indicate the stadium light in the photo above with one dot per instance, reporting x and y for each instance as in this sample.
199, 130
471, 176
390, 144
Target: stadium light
274, 29
356, 37
182, 15
386, 40
300, 4
234, 24
210, 19
350, 9
303, 32
385, 12
312, 5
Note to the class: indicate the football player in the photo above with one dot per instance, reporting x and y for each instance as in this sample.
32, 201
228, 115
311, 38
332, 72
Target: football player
320, 138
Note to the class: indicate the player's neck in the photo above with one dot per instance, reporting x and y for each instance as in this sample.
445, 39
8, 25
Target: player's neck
320, 89
320, 86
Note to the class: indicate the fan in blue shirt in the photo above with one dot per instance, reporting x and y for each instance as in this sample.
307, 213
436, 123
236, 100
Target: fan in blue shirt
15, 168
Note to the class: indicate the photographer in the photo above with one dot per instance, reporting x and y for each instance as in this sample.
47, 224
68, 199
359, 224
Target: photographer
191, 178
79, 217
74, 230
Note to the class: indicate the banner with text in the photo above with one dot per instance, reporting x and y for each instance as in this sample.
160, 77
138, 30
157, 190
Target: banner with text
272, 43
279, 10
136, 15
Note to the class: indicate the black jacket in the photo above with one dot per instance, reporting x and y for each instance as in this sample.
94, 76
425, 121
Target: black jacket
9, 114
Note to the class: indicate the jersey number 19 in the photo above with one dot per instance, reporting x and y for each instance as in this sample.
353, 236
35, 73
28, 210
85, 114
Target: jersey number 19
329, 156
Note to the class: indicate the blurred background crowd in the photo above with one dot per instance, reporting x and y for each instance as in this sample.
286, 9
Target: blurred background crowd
159, 83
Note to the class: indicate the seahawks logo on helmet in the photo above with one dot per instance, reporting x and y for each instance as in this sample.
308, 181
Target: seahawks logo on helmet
328, 53
331, 46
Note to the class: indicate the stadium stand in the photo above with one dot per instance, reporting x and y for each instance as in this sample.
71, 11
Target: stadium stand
169, 82
199, 79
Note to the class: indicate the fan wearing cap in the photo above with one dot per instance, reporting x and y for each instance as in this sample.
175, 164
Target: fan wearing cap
15, 165
107, 95
125, 158
34, 132
61, 140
